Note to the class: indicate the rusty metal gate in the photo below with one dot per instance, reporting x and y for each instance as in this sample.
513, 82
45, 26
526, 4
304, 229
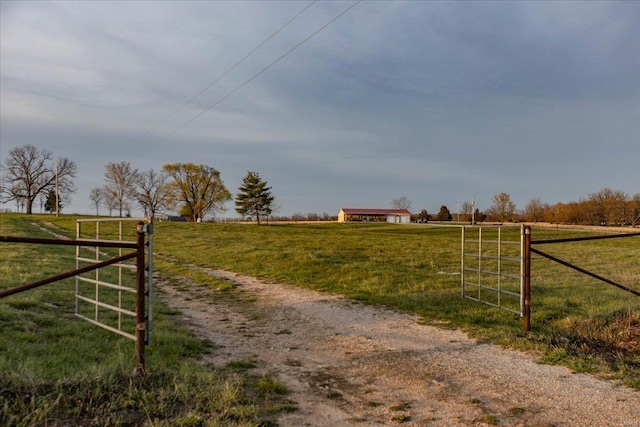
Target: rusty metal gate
492, 270
105, 312
529, 249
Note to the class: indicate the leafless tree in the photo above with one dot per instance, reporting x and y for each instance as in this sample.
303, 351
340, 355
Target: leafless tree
466, 209
607, 206
121, 186
96, 199
634, 211
298, 216
401, 203
43, 199
502, 208
109, 200
534, 210
29, 171
153, 192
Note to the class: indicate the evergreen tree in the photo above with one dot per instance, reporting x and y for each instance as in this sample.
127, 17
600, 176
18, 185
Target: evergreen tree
50, 203
254, 198
444, 214
423, 216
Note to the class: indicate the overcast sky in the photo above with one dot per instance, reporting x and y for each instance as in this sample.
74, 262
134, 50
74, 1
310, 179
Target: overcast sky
435, 101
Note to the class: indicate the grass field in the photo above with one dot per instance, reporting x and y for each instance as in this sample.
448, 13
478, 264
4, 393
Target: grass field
576, 321
56, 369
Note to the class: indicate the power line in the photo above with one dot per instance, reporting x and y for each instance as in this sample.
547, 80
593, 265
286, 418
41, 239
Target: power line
228, 71
263, 70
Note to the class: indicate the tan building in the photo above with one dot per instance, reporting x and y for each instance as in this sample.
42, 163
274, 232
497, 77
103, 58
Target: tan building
396, 216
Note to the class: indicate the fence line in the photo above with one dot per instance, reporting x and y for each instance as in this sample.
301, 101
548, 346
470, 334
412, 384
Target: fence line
527, 263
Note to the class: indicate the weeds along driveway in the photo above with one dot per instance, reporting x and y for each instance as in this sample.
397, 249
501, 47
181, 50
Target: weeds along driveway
346, 364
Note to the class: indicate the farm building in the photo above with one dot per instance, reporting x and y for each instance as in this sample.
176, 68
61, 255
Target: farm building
398, 216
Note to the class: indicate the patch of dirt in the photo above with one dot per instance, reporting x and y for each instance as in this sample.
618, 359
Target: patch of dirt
627, 333
347, 364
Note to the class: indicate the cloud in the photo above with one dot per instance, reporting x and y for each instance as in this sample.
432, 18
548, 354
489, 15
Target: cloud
438, 101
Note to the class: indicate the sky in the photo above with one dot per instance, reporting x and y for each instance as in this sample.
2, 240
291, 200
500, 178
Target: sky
438, 102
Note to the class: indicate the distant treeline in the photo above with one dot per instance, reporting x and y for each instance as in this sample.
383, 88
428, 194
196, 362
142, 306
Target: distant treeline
606, 207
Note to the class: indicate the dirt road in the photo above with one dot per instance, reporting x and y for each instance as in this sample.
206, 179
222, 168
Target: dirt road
347, 364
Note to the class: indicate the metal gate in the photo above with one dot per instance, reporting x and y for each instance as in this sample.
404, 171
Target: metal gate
109, 297
492, 270
109, 311
528, 250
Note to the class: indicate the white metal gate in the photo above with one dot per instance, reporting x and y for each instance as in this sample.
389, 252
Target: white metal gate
492, 269
107, 297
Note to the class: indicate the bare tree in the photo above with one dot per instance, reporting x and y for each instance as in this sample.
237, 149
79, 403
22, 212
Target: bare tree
108, 200
153, 192
96, 199
466, 209
607, 206
19, 204
634, 211
534, 210
30, 171
42, 198
401, 203
502, 208
121, 187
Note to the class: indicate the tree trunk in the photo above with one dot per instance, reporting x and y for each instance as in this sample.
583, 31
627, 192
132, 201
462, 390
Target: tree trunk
29, 205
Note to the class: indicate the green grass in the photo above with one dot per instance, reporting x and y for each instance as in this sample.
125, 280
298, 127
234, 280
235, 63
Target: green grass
56, 369
415, 269
576, 321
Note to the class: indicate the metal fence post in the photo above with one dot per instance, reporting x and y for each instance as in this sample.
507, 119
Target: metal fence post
527, 279
462, 265
140, 301
149, 271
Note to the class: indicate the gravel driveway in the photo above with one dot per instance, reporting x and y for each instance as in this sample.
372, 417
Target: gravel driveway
347, 364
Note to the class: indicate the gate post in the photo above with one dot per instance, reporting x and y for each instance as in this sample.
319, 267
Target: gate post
462, 265
140, 301
527, 278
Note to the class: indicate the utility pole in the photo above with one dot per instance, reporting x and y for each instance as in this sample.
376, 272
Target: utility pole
57, 201
473, 210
